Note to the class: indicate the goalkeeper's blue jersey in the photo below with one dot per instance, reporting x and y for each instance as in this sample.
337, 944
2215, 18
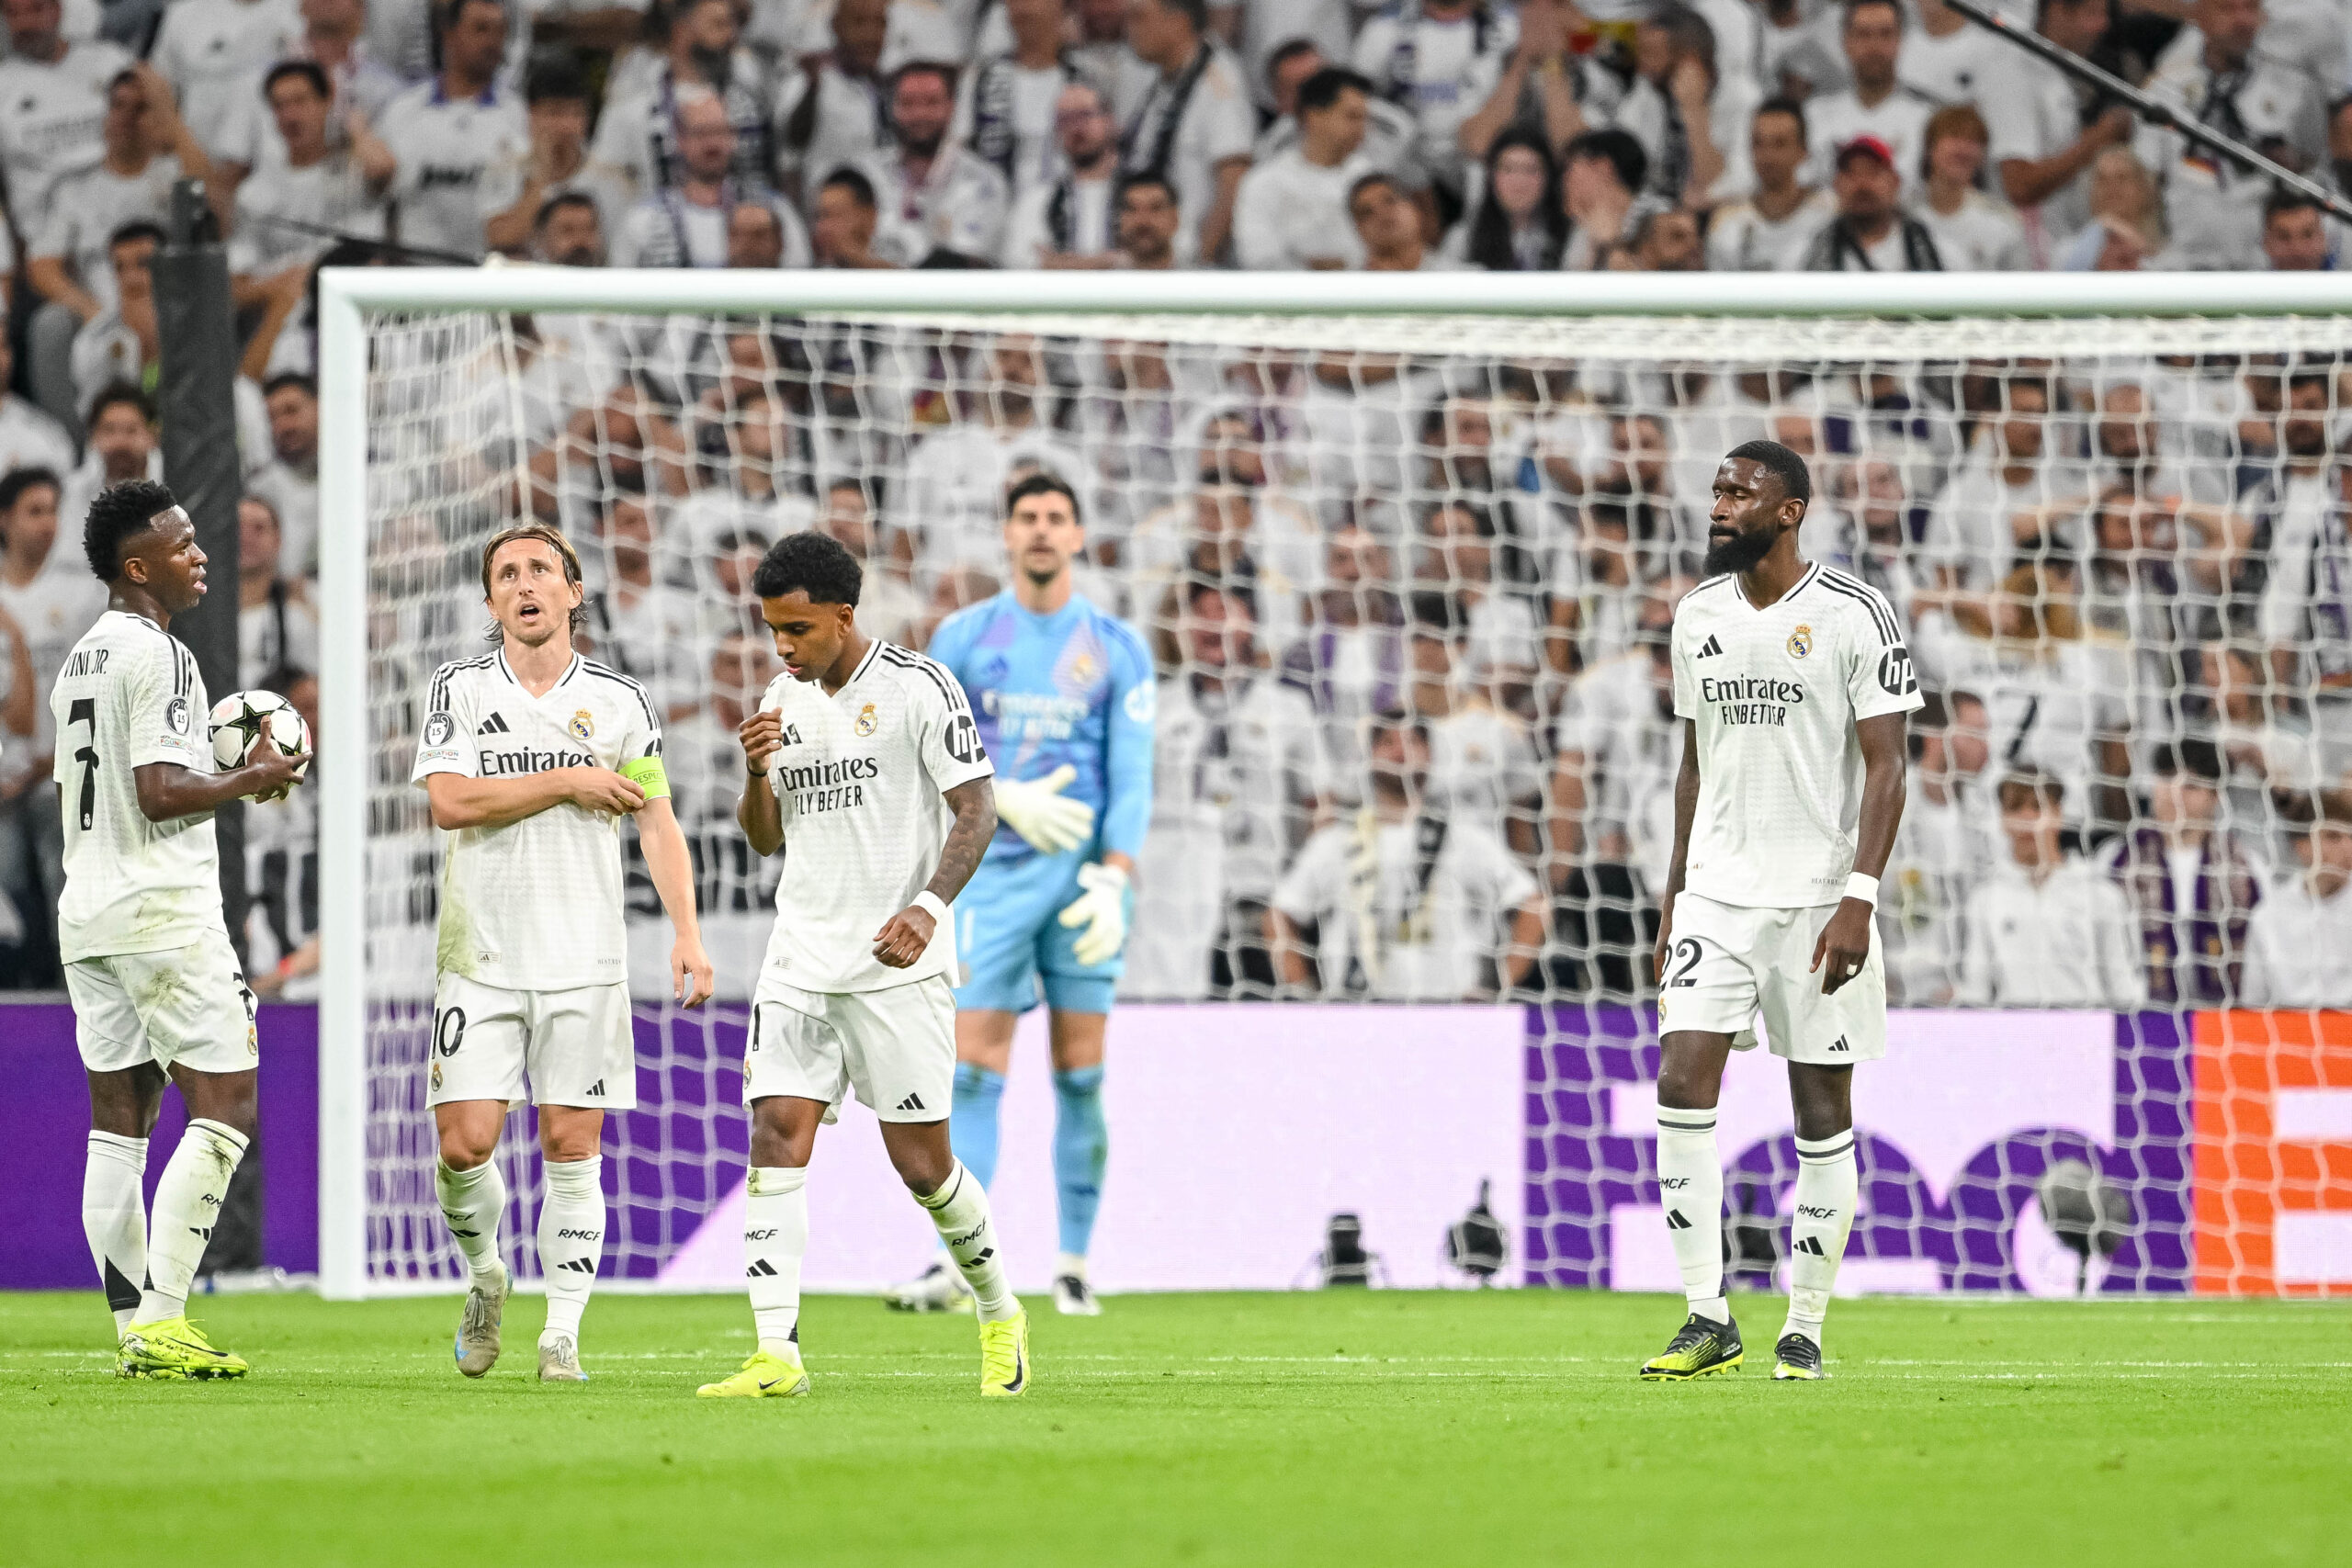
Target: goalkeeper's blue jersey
1076, 687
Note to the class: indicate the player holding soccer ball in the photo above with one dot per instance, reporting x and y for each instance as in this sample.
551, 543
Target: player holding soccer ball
1063, 696
156, 988
531, 756
1792, 681
867, 772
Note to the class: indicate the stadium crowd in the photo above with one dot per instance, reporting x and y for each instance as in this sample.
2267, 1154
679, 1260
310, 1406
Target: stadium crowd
1415, 723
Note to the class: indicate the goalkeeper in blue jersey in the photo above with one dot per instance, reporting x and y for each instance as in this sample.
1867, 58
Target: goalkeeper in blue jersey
1064, 694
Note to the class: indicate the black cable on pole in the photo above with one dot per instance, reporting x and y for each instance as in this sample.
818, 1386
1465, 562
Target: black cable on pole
2153, 109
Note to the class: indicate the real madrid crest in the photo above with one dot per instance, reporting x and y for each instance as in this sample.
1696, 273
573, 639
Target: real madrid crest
436, 1077
866, 723
1082, 669
1800, 642
583, 722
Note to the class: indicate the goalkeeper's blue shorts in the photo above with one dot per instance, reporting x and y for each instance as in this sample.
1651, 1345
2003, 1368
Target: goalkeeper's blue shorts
1010, 940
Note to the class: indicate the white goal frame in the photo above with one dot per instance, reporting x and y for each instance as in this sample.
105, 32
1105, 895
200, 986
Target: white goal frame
346, 294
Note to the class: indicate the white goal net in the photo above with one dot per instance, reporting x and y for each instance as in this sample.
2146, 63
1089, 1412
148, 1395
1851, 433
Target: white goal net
2117, 543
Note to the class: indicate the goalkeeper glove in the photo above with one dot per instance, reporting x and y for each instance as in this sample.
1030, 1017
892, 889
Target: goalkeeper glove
1103, 911
1038, 811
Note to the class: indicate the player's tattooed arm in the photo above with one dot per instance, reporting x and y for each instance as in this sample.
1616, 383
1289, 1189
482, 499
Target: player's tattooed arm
1845, 942
1686, 811
907, 934
974, 803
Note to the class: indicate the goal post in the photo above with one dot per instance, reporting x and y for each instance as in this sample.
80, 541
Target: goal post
421, 365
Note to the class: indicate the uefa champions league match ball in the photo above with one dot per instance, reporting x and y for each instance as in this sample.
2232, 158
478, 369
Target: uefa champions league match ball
242, 717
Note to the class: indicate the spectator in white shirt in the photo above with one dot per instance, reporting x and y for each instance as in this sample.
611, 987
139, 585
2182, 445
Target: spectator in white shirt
1389, 132
2214, 208
940, 205
835, 110
1871, 232
569, 231
1407, 904
1973, 231
1668, 105
30, 436
2041, 149
639, 133
459, 141
1072, 222
1005, 111
847, 220
558, 161
1150, 224
694, 222
1441, 59
148, 148
1601, 172
1878, 104
2298, 936
289, 481
212, 49
1389, 226
1517, 224
1771, 231
53, 107
320, 186
1291, 211
2294, 234
123, 344
1194, 126
2048, 929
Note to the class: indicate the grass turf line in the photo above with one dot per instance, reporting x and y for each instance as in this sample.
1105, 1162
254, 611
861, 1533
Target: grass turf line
1342, 1428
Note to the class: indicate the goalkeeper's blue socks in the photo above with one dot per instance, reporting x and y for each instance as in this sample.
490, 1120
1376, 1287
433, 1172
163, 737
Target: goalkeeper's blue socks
971, 1122
1081, 1147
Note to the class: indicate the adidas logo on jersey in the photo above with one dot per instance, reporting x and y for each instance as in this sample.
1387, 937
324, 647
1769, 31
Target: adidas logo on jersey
494, 725
1709, 649
912, 1102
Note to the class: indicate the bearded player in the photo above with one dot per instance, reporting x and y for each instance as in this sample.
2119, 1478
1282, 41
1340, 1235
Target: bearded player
866, 769
1064, 696
157, 992
532, 756
1792, 681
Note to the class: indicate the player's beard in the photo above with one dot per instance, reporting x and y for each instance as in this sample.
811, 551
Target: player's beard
1738, 553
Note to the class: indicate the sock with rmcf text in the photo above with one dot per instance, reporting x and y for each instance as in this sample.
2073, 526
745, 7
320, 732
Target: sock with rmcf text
1690, 1189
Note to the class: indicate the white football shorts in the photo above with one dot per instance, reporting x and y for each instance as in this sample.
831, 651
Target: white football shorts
188, 1007
1727, 963
573, 1047
896, 1047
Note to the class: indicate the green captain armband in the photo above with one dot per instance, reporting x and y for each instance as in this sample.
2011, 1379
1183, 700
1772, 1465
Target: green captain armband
647, 774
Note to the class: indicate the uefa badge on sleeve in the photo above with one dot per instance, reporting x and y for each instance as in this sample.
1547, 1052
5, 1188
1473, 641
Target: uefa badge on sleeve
1800, 642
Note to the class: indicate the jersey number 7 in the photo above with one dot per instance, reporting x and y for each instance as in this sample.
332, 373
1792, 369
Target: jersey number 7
85, 711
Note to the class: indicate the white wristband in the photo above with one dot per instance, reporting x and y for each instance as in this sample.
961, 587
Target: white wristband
930, 901
1862, 887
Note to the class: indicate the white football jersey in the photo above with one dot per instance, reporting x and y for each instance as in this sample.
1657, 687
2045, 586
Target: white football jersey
536, 905
1775, 694
129, 694
862, 779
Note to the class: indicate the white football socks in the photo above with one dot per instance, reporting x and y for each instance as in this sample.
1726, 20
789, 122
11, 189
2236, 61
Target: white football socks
474, 1202
187, 1205
1690, 1187
1827, 1182
960, 1209
571, 1239
114, 1216
775, 1238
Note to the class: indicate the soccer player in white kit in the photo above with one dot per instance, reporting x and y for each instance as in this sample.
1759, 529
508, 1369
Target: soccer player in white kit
1792, 681
867, 770
156, 988
531, 755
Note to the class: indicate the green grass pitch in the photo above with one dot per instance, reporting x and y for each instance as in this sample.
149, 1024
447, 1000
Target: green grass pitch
1361, 1428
